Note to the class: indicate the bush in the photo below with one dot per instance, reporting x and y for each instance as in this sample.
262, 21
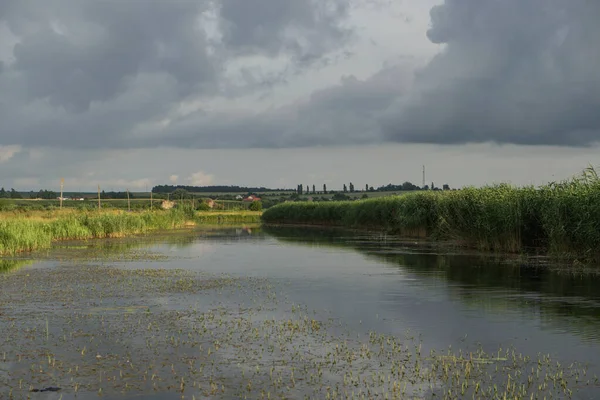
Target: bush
256, 206
202, 206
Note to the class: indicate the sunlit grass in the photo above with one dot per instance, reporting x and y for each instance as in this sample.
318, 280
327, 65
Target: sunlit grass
38, 231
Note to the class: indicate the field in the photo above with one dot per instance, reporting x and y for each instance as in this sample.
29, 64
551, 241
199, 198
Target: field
92, 204
563, 219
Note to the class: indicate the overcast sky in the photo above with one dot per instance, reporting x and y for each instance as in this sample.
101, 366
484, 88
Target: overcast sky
134, 93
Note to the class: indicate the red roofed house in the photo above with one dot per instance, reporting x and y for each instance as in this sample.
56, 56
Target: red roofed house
252, 198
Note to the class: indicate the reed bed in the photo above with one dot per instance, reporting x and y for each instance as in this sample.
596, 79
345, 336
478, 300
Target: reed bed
18, 234
561, 218
228, 217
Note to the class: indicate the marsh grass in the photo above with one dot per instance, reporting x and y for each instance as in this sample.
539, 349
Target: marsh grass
26, 233
561, 218
228, 217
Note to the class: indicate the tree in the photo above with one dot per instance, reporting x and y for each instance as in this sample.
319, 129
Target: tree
345, 188
299, 190
340, 197
324, 189
15, 195
314, 190
351, 188
446, 186
46, 195
367, 187
307, 189
180, 194
3, 194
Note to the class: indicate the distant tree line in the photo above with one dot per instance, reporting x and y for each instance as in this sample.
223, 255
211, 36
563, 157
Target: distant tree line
406, 186
10, 194
212, 189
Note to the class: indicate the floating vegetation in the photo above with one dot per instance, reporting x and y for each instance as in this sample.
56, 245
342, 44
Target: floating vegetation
119, 332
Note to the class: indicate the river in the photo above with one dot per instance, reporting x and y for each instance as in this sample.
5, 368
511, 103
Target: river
356, 283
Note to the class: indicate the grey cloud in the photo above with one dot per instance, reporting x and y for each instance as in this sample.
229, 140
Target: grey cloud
344, 114
96, 73
305, 29
104, 44
512, 71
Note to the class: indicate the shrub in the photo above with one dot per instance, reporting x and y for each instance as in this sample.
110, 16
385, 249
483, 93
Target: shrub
255, 206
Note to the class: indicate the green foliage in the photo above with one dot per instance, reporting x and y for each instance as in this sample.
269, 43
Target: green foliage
228, 218
202, 206
563, 218
340, 197
23, 234
256, 206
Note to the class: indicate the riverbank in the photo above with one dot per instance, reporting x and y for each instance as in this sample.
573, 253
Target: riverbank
37, 230
561, 219
228, 217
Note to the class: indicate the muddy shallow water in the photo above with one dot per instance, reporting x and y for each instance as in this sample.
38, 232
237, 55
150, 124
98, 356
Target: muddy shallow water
291, 313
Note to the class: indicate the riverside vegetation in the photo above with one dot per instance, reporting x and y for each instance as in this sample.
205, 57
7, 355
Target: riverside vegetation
37, 230
561, 218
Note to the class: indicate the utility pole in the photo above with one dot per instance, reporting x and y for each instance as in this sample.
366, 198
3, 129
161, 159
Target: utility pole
98, 197
128, 202
423, 187
150, 200
62, 183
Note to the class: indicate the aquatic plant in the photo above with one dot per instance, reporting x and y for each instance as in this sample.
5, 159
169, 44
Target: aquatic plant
25, 234
228, 217
563, 217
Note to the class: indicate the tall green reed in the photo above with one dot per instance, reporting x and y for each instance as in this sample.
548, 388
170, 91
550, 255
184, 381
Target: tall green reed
562, 218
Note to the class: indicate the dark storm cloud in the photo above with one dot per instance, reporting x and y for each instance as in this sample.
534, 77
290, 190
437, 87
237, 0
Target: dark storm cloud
343, 114
512, 71
95, 73
305, 29
110, 74
75, 53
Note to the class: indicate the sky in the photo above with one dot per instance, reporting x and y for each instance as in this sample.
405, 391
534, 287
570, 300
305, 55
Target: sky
136, 93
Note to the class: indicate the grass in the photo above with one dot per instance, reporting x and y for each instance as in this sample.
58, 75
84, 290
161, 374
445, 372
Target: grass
31, 230
562, 218
228, 217
38, 231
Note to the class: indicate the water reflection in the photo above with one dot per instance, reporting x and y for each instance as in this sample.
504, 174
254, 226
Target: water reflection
562, 301
7, 265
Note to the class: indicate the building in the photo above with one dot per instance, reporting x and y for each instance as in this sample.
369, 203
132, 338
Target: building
252, 198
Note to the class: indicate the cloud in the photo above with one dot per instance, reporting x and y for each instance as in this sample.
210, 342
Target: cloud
200, 178
303, 29
96, 74
74, 53
28, 182
206, 74
512, 71
8, 152
173, 178
346, 113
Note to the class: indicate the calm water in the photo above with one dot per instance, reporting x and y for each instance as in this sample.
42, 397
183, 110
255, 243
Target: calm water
374, 283
377, 283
